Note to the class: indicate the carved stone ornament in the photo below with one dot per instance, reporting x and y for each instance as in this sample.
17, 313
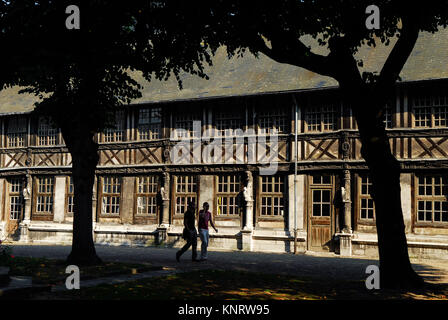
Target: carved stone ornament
164, 193
165, 186
247, 191
166, 155
26, 193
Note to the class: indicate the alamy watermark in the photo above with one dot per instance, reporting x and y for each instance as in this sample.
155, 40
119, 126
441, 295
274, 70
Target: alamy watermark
73, 20
73, 280
233, 146
373, 280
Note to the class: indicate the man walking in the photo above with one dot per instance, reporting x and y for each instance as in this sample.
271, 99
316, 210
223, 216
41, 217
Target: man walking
190, 234
204, 217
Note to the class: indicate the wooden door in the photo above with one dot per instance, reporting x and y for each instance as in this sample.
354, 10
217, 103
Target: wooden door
320, 213
14, 206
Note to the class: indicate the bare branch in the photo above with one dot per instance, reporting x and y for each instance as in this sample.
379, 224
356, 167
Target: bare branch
289, 49
399, 54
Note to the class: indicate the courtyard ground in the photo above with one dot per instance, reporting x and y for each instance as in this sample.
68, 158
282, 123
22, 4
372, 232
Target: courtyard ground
227, 275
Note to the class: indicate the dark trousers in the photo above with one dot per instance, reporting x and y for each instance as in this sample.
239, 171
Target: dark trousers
192, 241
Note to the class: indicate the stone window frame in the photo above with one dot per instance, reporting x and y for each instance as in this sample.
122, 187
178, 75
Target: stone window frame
111, 195
228, 187
421, 200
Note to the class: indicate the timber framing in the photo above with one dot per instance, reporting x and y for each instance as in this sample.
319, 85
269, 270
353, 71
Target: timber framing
264, 218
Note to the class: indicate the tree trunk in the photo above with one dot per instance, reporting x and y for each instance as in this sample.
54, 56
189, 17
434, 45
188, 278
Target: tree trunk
84, 152
395, 267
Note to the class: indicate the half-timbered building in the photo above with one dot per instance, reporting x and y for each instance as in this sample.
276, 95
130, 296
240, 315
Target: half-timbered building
267, 118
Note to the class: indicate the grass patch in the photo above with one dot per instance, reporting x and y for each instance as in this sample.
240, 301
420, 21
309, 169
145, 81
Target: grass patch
52, 272
236, 285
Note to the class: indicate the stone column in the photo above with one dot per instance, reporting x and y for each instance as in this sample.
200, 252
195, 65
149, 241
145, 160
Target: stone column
27, 199
206, 191
94, 200
346, 198
165, 195
2, 209
246, 233
59, 199
406, 200
299, 201
164, 220
345, 244
248, 198
27, 209
94, 207
127, 205
345, 237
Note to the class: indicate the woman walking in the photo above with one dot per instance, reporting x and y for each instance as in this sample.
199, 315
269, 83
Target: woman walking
204, 217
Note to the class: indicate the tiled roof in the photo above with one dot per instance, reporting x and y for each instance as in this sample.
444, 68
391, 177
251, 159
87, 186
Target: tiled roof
249, 75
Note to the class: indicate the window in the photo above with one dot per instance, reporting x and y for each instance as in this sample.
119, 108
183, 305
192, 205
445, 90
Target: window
322, 118
111, 190
46, 132
432, 202
388, 116
271, 120
186, 188
185, 126
321, 179
115, 134
44, 195
227, 123
16, 132
70, 196
147, 195
272, 196
228, 190
321, 190
366, 205
16, 199
149, 123
430, 111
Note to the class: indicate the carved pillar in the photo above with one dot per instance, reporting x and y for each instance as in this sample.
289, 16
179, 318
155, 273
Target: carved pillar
347, 203
345, 237
2, 208
249, 201
165, 195
27, 209
247, 231
164, 221
59, 199
27, 199
126, 201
